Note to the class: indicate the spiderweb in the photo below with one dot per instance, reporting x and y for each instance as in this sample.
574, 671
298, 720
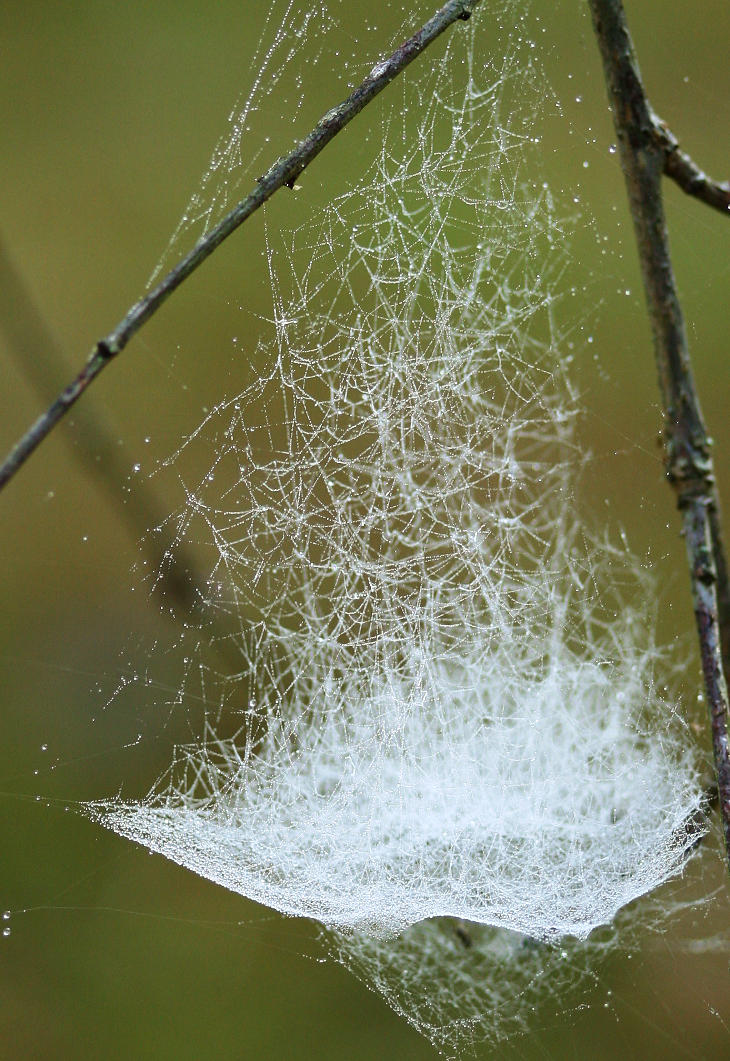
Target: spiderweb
454, 756
277, 66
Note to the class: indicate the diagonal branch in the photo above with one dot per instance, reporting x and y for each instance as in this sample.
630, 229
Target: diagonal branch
284, 172
688, 459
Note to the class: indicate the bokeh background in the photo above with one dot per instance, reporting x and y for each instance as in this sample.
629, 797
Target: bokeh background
108, 115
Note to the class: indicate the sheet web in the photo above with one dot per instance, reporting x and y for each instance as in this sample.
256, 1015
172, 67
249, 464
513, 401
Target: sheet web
455, 756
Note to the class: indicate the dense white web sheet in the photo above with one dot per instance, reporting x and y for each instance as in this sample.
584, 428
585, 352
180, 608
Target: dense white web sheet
453, 705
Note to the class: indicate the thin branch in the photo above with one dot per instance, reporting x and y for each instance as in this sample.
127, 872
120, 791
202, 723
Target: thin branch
680, 168
719, 554
284, 172
688, 459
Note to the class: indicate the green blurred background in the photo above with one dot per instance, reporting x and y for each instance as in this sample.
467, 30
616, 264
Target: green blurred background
108, 115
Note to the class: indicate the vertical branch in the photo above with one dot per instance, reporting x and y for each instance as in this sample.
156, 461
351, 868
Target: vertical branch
645, 149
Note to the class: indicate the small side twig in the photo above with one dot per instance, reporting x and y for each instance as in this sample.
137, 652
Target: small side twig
680, 168
644, 157
283, 173
683, 170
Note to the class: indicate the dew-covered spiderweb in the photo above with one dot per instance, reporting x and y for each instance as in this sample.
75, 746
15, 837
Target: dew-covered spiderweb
278, 67
452, 752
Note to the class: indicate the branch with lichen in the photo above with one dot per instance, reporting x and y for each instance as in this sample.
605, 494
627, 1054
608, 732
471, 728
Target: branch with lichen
283, 173
648, 151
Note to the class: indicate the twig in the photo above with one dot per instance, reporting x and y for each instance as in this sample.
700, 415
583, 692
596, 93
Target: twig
284, 172
688, 460
680, 168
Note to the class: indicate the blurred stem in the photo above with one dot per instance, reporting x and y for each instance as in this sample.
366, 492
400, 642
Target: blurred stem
38, 357
284, 172
37, 354
647, 152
